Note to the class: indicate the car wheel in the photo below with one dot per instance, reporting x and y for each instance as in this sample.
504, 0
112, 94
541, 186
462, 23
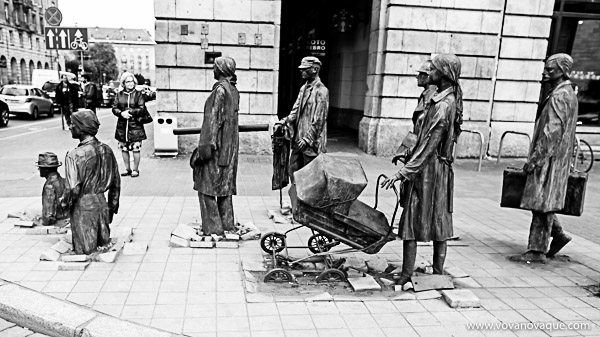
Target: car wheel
36, 113
51, 111
4, 116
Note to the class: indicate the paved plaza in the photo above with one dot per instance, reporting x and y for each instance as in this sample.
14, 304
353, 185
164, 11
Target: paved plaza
201, 292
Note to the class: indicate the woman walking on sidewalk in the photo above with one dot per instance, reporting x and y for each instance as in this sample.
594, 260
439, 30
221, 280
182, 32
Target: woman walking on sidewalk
128, 106
429, 186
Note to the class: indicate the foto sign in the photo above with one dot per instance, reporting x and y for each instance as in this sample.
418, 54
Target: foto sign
66, 38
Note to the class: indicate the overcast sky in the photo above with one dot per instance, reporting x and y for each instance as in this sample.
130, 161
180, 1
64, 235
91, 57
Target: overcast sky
108, 13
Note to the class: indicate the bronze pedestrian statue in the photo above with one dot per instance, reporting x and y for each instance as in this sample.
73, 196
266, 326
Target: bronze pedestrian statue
91, 172
548, 163
428, 177
215, 160
429, 90
308, 118
54, 213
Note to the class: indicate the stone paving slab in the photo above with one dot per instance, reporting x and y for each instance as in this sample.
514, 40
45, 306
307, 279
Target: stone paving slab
48, 315
192, 291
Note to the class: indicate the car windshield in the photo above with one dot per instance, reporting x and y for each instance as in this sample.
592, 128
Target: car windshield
13, 91
49, 86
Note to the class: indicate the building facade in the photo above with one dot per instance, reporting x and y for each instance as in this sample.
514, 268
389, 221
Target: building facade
134, 49
370, 50
22, 44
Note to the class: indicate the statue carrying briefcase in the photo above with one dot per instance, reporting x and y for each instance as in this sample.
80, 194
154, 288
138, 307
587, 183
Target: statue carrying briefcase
513, 185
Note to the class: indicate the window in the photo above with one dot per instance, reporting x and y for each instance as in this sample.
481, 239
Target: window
21, 42
1, 35
37, 43
147, 62
6, 12
30, 40
11, 37
140, 62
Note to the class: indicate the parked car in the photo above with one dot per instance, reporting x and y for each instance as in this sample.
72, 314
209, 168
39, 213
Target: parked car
49, 88
4, 113
27, 100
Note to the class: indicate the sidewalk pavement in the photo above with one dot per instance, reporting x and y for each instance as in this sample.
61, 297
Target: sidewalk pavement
201, 292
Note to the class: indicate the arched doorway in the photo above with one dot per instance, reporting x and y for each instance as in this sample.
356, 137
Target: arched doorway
39, 65
46, 66
24, 76
14, 71
3, 70
31, 67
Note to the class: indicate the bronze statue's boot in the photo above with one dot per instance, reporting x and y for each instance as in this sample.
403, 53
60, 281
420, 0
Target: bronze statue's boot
409, 255
530, 257
558, 242
439, 256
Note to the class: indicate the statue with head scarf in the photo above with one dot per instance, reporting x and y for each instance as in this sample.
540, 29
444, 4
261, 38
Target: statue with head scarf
427, 177
215, 160
92, 176
549, 161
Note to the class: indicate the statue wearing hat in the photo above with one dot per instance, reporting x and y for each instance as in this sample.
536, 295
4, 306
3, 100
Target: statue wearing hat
548, 163
308, 118
93, 183
53, 193
423, 81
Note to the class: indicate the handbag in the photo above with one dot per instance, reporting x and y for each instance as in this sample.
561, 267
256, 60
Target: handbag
513, 185
145, 117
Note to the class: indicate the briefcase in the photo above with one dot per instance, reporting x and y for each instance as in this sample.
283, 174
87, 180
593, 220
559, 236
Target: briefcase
513, 185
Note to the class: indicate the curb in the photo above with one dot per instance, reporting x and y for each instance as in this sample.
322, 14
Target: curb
58, 318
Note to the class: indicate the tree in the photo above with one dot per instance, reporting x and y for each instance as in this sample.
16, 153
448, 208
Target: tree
139, 78
72, 66
100, 59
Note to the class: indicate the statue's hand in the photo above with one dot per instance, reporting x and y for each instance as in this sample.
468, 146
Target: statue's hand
528, 167
302, 144
389, 182
399, 158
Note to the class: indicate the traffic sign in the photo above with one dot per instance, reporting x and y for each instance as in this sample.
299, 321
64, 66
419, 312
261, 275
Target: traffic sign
69, 38
53, 16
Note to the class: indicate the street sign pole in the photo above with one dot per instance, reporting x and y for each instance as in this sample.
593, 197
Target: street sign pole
82, 68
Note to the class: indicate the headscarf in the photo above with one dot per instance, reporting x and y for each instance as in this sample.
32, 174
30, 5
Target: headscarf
564, 62
86, 121
226, 65
449, 65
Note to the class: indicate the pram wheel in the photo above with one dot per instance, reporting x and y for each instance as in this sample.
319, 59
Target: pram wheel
278, 275
272, 242
319, 243
331, 276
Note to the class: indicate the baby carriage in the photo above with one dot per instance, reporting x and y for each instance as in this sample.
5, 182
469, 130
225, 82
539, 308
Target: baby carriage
324, 199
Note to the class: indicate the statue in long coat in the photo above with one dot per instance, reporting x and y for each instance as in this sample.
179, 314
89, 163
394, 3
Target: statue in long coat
428, 175
91, 170
549, 161
215, 160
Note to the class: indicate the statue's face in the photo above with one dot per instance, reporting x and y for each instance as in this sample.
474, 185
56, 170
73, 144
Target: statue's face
64, 79
75, 131
308, 73
551, 72
422, 79
435, 76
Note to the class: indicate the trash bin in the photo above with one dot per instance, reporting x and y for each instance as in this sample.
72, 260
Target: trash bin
165, 142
